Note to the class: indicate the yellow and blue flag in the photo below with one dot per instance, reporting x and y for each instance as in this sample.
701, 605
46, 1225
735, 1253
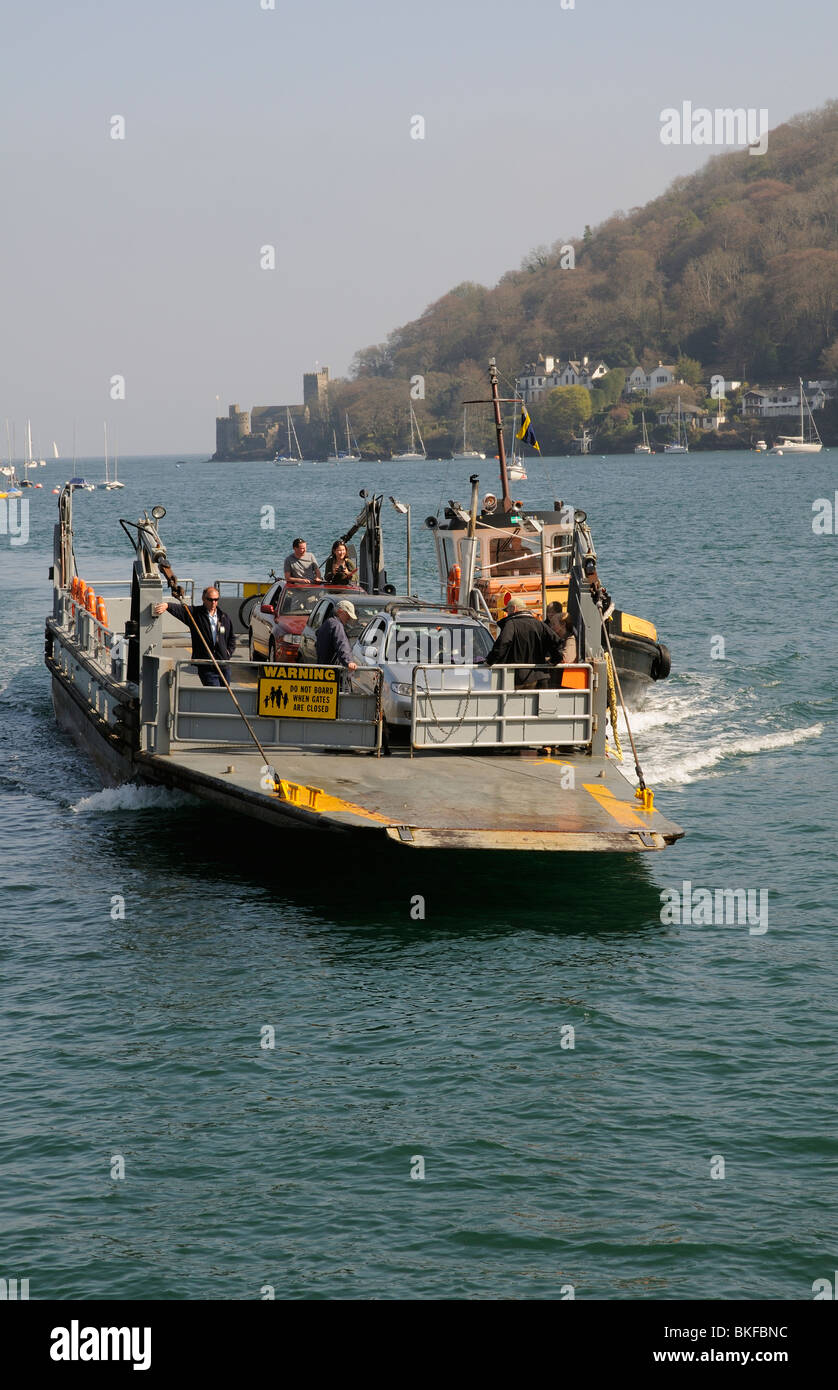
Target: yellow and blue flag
526, 431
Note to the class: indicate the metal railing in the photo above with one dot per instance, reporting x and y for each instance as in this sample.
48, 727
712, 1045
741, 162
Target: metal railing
205, 714
482, 707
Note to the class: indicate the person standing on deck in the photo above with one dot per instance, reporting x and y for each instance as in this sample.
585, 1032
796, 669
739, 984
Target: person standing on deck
215, 627
524, 638
332, 644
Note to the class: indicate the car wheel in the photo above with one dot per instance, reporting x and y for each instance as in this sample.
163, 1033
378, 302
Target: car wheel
246, 607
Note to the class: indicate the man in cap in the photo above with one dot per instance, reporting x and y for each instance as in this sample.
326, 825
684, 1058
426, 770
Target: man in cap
524, 638
332, 644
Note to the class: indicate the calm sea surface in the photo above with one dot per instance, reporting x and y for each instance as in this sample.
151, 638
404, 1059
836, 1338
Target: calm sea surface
545, 1166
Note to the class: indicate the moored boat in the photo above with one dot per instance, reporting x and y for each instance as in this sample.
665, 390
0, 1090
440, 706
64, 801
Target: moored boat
808, 441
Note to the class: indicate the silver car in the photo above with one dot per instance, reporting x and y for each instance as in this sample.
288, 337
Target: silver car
365, 605
400, 639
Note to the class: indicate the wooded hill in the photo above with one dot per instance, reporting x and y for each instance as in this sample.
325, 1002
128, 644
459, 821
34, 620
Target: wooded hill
735, 266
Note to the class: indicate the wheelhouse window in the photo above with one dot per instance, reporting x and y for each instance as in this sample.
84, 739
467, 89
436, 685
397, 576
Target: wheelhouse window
514, 555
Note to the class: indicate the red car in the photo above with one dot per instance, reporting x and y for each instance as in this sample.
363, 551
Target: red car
277, 619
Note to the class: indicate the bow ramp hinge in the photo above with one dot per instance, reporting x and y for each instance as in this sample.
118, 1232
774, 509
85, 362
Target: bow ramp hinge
298, 794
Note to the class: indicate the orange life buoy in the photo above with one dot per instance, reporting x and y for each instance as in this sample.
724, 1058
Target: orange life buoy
101, 611
454, 584
90, 601
74, 586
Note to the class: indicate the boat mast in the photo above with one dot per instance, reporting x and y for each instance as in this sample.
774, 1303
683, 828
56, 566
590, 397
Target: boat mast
506, 500
419, 432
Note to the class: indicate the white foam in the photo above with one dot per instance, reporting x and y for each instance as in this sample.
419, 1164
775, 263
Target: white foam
130, 798
686, 768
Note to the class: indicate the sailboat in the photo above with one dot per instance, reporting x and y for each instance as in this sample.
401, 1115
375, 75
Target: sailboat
28, 461
808, 443
677, 446
411, 455
290, 460
467, 454
10, 488
54, 450
115, 480
106, 482
343, 455
515, 468
644, 447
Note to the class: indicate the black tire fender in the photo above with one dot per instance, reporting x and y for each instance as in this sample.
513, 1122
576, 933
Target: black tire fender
662, 664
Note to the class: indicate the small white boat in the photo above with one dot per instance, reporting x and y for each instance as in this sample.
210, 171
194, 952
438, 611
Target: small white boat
109, 483
411, 455
346, 455
760, 447
803, 443
467, 455
644, 447
291, 459
677, 446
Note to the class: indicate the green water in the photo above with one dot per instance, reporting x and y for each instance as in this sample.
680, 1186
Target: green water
446, 1039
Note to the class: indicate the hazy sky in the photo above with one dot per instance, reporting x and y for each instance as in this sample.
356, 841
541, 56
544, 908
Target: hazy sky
291, 127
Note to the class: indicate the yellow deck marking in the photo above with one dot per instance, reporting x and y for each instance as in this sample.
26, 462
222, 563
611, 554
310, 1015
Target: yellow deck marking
325, 802
617, 809
319, 801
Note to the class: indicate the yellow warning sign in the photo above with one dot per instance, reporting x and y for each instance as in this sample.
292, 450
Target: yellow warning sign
304, 692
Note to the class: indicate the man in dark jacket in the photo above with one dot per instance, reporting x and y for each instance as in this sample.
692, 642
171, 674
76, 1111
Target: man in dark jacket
524, 638
214, 626
332, 644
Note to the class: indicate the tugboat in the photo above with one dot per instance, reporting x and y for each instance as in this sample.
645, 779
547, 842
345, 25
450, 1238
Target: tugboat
528, 553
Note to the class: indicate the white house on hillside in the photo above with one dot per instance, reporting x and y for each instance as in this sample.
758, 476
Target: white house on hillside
638, 380
766, 404
539, 377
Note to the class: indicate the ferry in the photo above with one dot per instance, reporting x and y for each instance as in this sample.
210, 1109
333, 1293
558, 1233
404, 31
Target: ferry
489, 766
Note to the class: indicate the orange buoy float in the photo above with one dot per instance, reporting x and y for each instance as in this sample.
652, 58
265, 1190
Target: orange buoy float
101, 611
90, 601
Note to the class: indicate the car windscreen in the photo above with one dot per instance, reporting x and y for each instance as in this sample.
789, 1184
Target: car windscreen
300, 600
304, 598
435, 644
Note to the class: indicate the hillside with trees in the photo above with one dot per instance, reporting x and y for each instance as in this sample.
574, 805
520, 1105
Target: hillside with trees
734, 270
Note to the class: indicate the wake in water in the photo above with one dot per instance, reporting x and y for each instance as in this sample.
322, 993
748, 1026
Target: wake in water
685, 734
131, 798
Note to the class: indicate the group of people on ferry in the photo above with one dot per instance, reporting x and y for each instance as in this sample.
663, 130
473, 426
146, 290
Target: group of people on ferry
523, 640
302, 567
